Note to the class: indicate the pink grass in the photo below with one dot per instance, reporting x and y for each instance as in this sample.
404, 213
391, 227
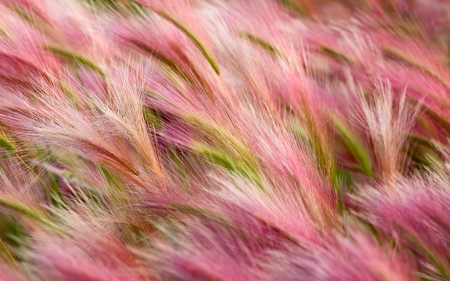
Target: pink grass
224, 140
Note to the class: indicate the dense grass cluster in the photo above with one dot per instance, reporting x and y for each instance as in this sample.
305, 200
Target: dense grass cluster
224, 140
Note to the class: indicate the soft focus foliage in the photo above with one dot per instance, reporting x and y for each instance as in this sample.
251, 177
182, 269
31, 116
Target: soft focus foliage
224, 140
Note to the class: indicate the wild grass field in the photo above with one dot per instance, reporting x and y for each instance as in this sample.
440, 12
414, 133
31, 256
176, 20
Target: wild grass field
224, 140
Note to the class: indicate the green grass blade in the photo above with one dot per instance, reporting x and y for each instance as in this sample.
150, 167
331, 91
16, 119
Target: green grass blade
260, 42
194, 39
74, 57
354, 146
6, 144
28, 212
